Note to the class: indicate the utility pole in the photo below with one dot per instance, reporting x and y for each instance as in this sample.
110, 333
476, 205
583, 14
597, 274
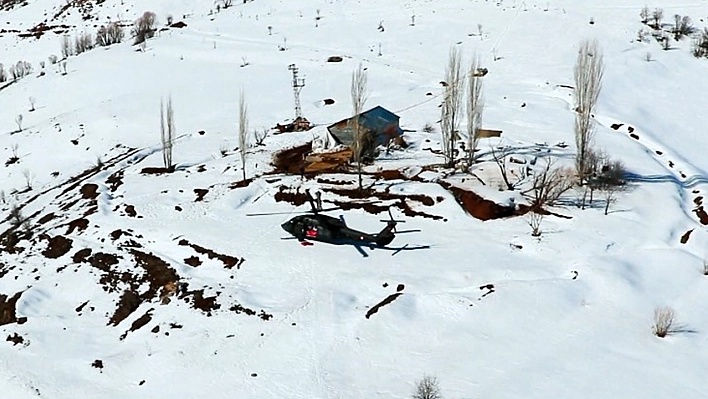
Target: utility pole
298, 84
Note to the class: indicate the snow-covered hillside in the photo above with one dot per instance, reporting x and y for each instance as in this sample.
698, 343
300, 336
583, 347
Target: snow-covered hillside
120, 283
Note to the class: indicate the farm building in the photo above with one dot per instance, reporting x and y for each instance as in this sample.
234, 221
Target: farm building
378, 125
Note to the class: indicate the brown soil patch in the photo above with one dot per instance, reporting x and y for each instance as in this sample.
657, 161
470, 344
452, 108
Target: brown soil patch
115, 180
8, 309
616, 126
241, 183
686, 236
199, 301
228, 261
157, 171
385, 302
335, 58
116, 234
401, 201
634, 136
489, 288
98, 363
201, 192
138, 323
128, 303
292, 160
46, 218
89, 191
157, 272
238, 309
12, 160
57, 247
659, 152
698, 201
328, 101
81, 255
9, 240
78, 224
702, 215
130, 211
479, 207
81, 307
284, 195
630, 129
193, 261
15, 339
179, 25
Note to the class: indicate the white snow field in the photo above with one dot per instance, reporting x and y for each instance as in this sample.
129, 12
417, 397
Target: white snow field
489, 310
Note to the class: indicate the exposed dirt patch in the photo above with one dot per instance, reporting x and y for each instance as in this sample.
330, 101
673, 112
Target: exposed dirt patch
228, 261
238, 309
8, 309
634, 136
292, 160
296, 198
201, 192
401, 201
193, 261
128, 303
335, 58
89, 191
10, 239
489, 288
12, 160
81, 307
130, 211
241, 183
616, 126
139, 323
198, 301
179, 25
385, 302
698, 201
115, 180
328, 101
479, 207
46, 218
324, 180
98, 364
157, 171
15, 339
81, 255
702, 215
57, 246
686, 236
659, 152
158, 273
79, 225
116, 234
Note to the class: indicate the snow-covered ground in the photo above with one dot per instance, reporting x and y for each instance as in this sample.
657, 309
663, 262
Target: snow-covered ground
488, 309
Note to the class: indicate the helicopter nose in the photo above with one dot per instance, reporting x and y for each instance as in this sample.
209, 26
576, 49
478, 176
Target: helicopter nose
287, 226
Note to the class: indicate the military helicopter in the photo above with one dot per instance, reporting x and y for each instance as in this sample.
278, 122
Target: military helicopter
316, 226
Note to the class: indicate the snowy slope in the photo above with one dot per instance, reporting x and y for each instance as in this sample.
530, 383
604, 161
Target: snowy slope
568, 316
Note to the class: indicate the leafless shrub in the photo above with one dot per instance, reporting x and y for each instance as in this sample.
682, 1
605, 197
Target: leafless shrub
66, 49
705, 267
14, 158
18, 121
428, 128
534, 219
663, 321
700, 44
83, 42
452, 105
665, 42
260, 136
243, 131
475, 107
53, 59
224, 3
427, 388
16, 217
642, 35
32, 101
144, 27
28, 178
500, 155
647, 57
588, 73
62, 65
109, 34
20, 70
170, 19
549, 185
3, 74
167, 130
359, 96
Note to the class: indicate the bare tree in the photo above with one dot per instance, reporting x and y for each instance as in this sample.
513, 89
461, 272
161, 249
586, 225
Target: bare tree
109, 34
32, 100
359, 96
18, 120
452, 105
167, 130
500, 155
657, 16
427, 388
3, 74
663, 321
549, 185
144, 27
65, 46
475, 107
242, 131
588, 82
644, 14
28, 178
